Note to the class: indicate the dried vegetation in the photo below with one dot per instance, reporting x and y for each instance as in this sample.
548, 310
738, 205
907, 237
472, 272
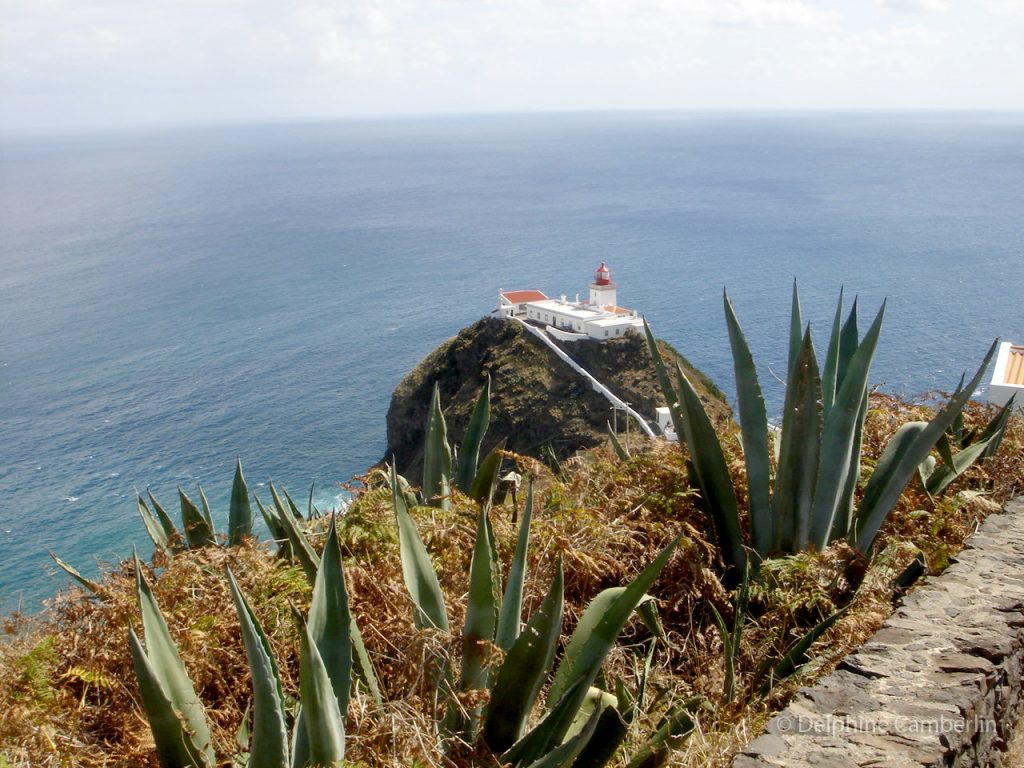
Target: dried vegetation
68, 694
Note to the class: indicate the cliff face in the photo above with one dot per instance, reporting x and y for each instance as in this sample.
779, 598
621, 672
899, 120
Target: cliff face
536, 399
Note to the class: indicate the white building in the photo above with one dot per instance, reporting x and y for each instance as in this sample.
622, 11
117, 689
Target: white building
600, 317
1008, 376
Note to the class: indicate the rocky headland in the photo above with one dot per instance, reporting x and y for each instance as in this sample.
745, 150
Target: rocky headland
536, 399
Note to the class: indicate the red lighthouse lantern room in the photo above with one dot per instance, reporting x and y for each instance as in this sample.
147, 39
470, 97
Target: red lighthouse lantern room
603, 276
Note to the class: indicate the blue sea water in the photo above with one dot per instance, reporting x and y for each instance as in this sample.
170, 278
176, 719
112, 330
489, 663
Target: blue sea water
172, 299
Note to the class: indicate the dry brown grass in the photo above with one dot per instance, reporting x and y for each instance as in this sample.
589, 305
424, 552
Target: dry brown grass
67, 690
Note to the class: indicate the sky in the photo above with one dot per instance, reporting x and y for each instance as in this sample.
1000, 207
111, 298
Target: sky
67, 65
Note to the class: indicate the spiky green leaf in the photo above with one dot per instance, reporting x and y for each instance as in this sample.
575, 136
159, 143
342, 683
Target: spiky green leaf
883, 490
839, 437
165, 667
712, 475
297, 541
597, 630
240, 511
198, 532
437, 456
798, 452
511, 611
420, 580
523, 671
486, 479
269, 747
754, 432
469, 451
322, 720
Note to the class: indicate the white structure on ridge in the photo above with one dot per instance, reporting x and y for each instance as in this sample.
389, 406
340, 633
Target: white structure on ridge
598, 318
1008, 376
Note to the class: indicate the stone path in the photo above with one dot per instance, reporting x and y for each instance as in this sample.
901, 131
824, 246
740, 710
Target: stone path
938, 685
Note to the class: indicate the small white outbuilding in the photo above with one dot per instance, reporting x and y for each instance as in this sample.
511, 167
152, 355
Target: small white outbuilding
1008, 376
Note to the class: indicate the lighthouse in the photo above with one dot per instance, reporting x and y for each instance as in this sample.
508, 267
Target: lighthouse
602, 290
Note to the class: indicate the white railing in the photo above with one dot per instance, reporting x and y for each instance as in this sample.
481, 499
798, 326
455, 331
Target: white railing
597, 386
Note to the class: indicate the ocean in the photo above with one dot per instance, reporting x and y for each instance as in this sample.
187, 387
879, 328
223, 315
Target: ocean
172, 299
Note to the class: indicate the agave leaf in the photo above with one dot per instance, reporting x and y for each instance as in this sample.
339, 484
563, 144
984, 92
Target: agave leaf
596, 633
796, 329
512, 602
481, 618
796, 655
620, 451
197, 530
297, 540
522, 673
362, 665
420, 580
830, 373
995, 429
240, 511
277, 531
595, 700
673, 732
798, 453
156, 532
329, 629
323, 721
174, 747
330, 619
165, 668
564, 755
884, 489
548, 733
609, 733
668, 389
207, 514
437, 456
89, 584
469, 451
754, 432
486, 480
269, 748
844, 513
712, 474
838, 438
849, 340
173, 537
943, 475
728, 656
292, 506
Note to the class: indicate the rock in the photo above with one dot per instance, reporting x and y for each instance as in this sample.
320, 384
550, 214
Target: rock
536, 399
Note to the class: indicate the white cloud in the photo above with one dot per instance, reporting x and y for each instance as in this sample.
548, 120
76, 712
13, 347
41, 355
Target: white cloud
914, 6
1006, 7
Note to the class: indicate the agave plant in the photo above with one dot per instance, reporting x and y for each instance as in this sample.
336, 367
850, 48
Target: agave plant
444, 467
197, 521
576, 723
180, 730
959, 449
811, 502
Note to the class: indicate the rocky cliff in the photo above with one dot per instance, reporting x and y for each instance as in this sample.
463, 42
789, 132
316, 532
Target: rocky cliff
536, 399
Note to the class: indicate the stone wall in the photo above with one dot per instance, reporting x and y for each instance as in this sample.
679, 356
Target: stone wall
938, 685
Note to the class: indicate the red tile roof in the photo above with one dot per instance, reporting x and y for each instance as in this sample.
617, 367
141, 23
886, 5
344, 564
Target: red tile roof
521, 297
618, 310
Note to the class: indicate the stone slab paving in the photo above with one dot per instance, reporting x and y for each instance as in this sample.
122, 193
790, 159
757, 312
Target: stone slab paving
938, 685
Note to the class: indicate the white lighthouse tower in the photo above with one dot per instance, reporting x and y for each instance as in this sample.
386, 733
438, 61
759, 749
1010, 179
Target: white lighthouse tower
602, 290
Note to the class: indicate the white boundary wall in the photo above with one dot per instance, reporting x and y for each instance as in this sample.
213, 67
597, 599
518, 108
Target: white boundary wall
597, 386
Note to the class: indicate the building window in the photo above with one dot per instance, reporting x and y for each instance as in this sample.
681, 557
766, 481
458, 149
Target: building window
606, 332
